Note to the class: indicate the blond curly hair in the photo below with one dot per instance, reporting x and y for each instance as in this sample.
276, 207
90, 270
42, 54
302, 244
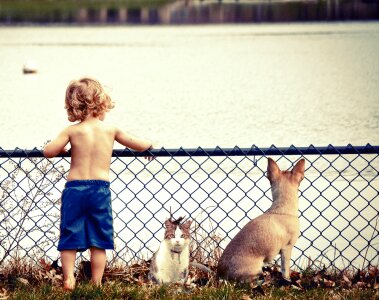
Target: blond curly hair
85, 97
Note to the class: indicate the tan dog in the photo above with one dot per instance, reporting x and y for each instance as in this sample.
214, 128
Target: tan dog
277, 230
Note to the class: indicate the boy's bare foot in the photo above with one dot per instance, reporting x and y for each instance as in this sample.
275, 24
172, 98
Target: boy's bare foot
96, 283
69, 284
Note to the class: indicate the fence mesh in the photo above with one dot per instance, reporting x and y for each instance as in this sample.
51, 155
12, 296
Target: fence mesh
220, 189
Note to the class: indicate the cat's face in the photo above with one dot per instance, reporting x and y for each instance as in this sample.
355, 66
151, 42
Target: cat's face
177, 236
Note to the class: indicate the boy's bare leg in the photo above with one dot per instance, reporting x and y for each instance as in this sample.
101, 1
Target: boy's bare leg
98, 260
68, 263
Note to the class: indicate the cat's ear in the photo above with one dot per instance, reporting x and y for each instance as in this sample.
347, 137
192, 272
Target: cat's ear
168, 223
187, 225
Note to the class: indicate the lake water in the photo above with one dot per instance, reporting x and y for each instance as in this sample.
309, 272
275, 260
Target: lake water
192, 86
210, 86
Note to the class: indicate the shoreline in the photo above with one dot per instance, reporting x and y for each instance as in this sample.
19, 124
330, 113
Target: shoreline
166, 12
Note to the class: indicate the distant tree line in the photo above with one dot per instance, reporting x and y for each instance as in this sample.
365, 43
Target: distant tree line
183, 11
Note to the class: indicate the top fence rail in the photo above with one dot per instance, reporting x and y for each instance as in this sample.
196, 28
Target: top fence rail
236, 151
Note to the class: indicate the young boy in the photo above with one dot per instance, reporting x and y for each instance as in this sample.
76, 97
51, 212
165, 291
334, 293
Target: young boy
86, 214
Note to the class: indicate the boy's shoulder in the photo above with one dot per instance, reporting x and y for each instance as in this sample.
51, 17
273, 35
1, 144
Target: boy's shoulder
71, 128
74, 128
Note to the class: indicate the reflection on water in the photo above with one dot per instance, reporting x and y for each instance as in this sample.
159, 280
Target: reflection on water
189, 12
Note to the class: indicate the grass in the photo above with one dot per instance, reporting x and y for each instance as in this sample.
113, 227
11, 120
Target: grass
23, 280
123, 290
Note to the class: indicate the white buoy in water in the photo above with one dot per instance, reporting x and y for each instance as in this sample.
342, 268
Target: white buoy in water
30, 67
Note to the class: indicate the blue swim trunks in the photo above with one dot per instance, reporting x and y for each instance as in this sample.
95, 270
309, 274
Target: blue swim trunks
86, 216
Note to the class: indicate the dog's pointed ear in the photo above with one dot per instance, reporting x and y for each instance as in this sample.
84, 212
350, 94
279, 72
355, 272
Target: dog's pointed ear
272, 169
298, 170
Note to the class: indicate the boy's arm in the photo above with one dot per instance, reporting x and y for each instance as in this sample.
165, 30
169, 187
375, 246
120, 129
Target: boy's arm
131, 141
57, 145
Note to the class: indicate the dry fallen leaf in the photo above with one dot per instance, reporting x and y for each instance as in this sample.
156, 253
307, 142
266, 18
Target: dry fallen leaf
245, 297
23, 281
45, 266
4, 294
347, 280
329, 283
361, 284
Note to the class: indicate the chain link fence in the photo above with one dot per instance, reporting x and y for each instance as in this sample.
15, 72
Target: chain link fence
220, 189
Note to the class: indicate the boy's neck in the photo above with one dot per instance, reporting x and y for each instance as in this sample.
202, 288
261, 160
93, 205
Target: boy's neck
91, 117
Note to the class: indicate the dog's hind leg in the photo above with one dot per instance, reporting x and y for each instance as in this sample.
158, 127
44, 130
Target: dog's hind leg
285, 259
246, 272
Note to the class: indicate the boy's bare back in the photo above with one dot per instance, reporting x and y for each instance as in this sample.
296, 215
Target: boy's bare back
91, 150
